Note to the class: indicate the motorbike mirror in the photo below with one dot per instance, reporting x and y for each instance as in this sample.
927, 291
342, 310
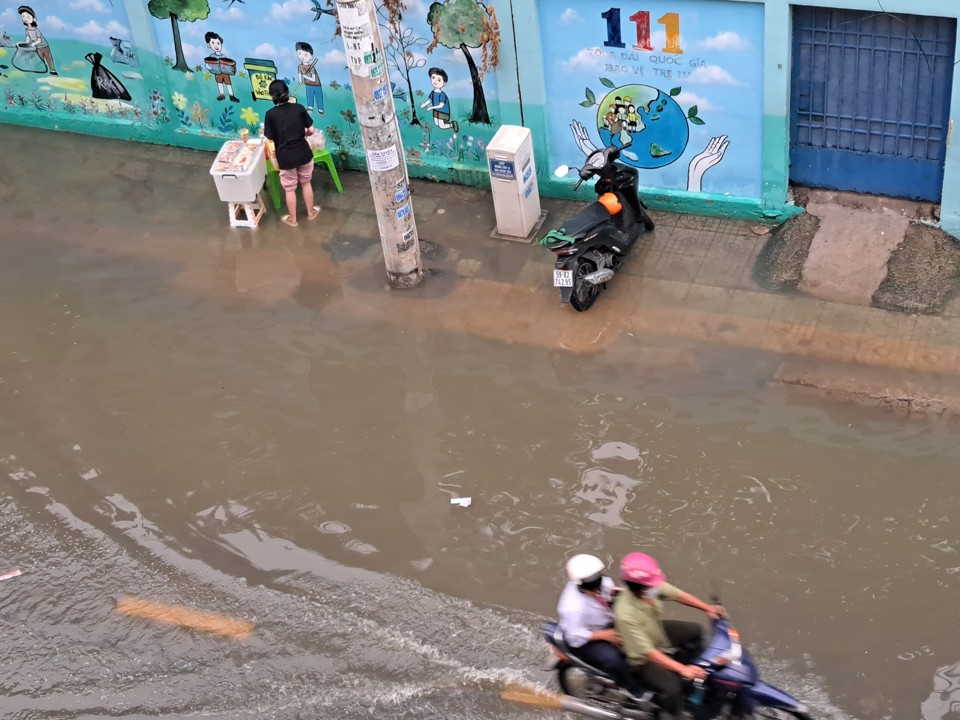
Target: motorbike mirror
562, 171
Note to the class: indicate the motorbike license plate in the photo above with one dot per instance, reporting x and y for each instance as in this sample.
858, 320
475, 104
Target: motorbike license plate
563, 278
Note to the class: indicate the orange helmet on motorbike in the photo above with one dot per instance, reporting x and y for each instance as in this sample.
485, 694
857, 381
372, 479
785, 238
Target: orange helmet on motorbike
610, 202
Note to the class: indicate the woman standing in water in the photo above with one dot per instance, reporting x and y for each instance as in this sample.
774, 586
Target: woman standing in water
35, 38
287, 125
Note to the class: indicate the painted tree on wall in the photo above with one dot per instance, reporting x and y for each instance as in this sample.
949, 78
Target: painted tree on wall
400, 47
179, 11
465, 24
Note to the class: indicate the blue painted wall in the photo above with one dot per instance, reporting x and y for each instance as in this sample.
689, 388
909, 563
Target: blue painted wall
689, 104
679, 84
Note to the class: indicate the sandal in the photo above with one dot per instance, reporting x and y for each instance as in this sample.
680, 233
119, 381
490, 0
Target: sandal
288, 221
312, 215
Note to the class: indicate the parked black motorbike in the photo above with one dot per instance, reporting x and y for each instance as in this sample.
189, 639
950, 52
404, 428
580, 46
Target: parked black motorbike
592, 245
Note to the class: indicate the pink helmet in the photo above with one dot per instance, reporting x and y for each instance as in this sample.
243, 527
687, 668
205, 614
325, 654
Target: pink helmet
642, 569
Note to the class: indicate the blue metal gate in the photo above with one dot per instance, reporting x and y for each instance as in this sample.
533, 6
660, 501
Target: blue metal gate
870, 101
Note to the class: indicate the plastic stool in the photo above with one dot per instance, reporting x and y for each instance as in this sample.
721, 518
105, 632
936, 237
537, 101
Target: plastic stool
273, 176
246, 214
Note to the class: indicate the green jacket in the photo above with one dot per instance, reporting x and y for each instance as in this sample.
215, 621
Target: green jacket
638, 622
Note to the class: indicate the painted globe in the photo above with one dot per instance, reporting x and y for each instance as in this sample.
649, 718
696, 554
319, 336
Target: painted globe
656, 127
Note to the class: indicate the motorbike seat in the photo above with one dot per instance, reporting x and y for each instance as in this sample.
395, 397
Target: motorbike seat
554, 635
556, 239
588, 219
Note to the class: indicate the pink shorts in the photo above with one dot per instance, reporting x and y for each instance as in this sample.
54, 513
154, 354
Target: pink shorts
290, 178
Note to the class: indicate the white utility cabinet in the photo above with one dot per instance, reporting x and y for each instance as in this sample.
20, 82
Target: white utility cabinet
513, 181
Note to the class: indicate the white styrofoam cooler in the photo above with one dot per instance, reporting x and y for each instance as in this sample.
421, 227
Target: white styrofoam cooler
513, 181
239, 171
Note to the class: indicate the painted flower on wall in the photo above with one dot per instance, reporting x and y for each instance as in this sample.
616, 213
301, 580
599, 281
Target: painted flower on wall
199, 113
179, 101
250, 116
158, 110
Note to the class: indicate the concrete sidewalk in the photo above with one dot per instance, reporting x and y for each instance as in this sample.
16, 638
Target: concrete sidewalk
689, 281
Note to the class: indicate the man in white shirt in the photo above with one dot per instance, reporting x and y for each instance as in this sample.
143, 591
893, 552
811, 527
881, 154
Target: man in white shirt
586, 619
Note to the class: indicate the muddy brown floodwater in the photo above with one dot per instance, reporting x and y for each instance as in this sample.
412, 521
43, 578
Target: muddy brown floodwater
170, 432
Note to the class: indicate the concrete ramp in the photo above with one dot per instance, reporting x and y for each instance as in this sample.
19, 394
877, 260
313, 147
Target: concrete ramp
848, 254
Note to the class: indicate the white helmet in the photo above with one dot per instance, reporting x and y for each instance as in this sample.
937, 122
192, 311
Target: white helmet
584, 567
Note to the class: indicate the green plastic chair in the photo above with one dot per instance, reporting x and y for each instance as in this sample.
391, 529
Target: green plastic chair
273, 177
324, 156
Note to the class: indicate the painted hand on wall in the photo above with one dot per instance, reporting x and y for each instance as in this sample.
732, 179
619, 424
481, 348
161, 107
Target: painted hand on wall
712, 155
708, 158
582, 138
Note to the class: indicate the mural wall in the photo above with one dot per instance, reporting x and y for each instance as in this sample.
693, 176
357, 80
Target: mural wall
679, 84
678, 81
72, 59
204, 70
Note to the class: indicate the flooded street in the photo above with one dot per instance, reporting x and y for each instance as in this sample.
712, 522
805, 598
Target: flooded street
263, 431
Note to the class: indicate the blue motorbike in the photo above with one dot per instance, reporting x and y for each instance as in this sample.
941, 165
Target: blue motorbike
732, 689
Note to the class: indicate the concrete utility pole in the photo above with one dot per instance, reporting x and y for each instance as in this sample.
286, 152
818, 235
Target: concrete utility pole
381, 141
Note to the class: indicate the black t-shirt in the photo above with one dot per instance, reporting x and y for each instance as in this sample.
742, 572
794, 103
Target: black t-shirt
285, 125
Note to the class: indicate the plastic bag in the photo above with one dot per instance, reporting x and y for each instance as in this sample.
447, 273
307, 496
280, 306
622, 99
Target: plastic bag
103, 83
317, 141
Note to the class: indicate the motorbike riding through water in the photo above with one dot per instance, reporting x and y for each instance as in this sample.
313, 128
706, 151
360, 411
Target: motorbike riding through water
732, 689
591, 245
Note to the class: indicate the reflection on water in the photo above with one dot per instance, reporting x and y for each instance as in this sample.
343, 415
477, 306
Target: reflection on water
944, 702
728, 498
607, 494
743, 494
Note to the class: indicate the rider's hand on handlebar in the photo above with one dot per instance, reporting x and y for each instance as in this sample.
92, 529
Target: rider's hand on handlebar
693, 672
717, 611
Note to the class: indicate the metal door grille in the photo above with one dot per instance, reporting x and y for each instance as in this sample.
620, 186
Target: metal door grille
870, 100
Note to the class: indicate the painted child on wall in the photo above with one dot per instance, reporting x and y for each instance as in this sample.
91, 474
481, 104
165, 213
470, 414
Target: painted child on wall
220, 66
438, 102
611, 122
35, 39
622, 110
308, 76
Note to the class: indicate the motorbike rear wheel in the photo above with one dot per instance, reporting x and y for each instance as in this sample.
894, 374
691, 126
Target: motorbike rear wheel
574, 681
772, 713
583, 293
